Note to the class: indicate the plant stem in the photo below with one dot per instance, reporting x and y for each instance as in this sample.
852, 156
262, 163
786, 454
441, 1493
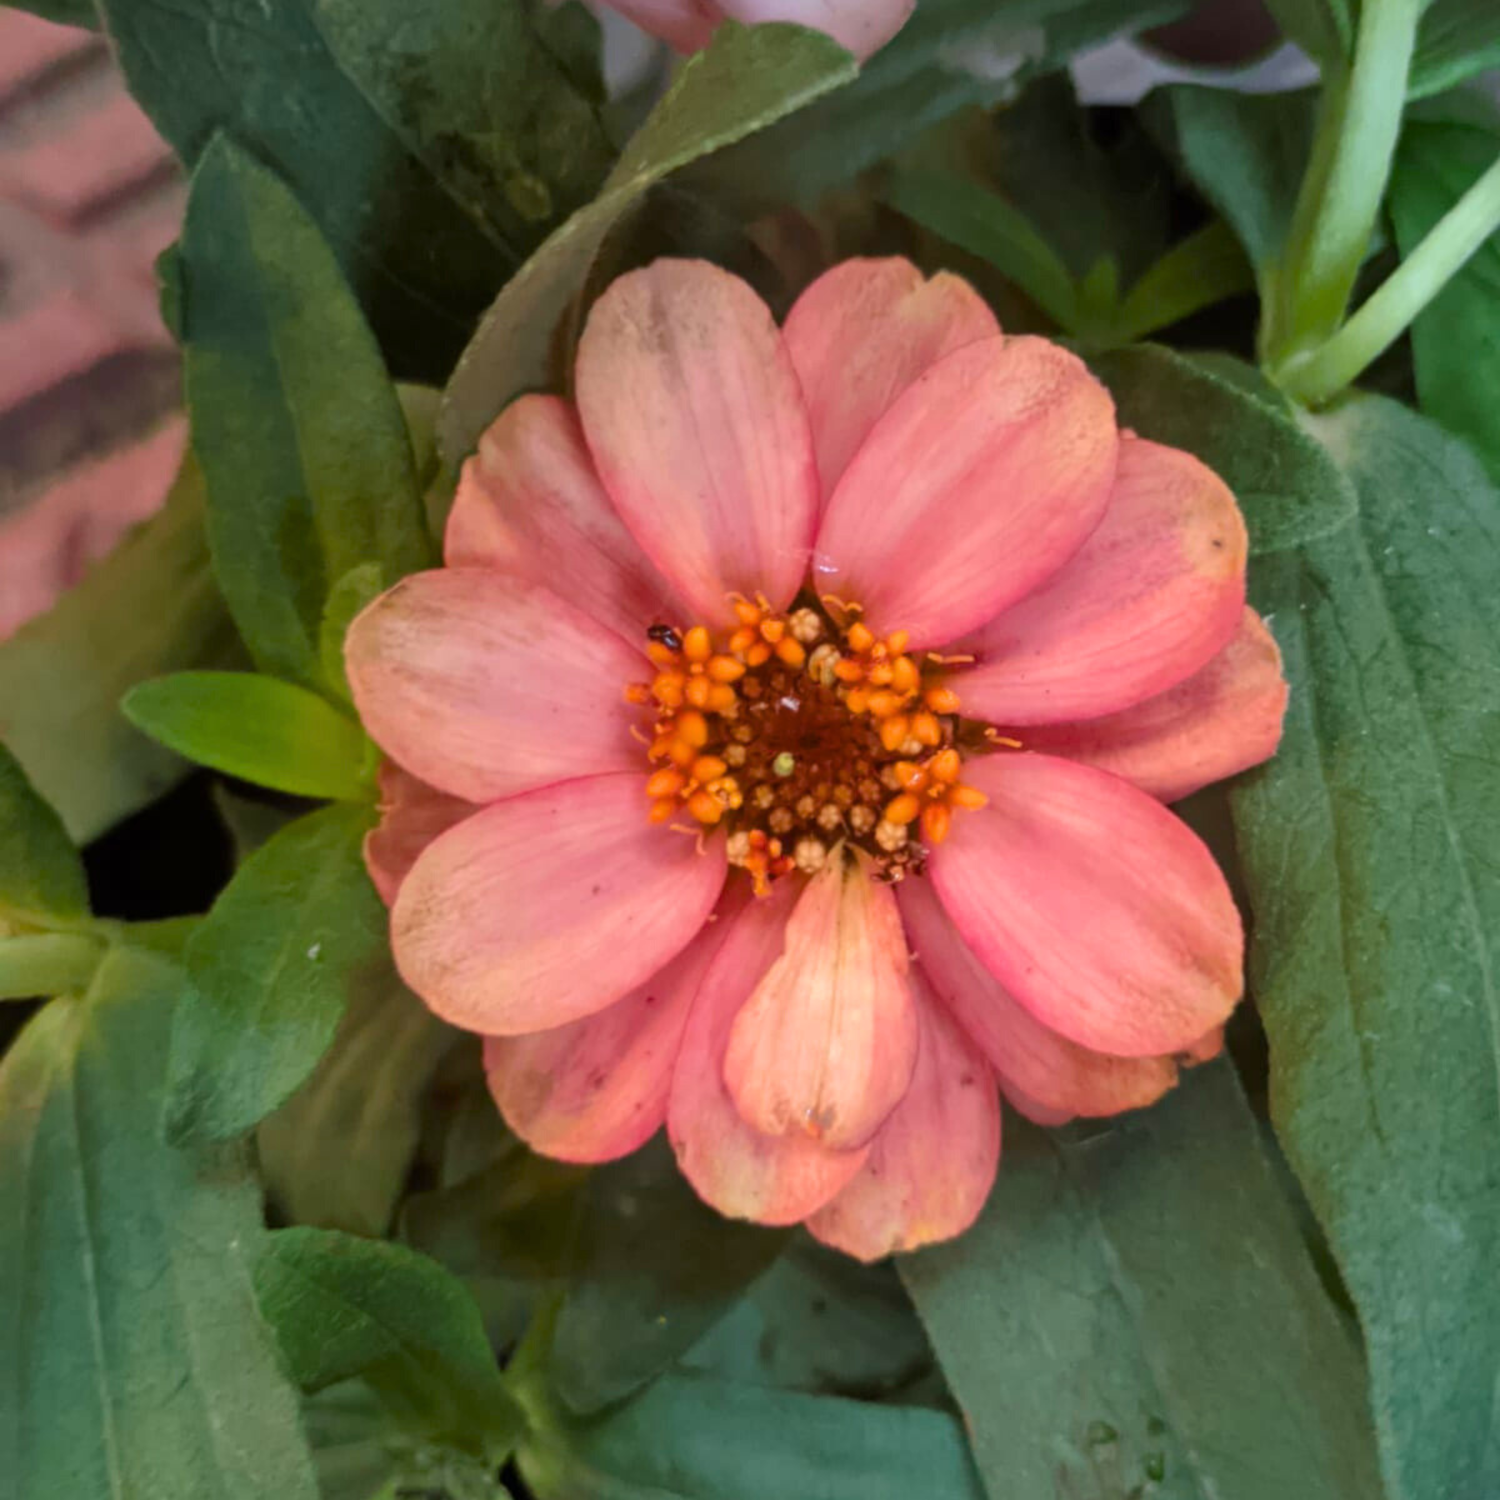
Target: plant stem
1359, 121
1320, 376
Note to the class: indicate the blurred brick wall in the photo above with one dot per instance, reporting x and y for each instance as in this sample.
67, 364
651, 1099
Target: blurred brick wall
89, 379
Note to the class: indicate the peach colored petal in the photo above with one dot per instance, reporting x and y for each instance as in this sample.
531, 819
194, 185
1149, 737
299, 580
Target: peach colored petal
529, 503
1038, 1068
412, 814
485, 686
597, 1088
932, 1164
977, 484
861, 334
1152, 595
684, 25
1096, 908
1225, 718
773, 1179
827, 1041
550, 906
695, 419
859, 26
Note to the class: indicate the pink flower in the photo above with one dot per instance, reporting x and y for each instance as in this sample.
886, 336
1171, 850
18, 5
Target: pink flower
801, 704
859, 26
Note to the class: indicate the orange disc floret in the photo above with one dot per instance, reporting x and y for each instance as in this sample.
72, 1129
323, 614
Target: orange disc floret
930, 791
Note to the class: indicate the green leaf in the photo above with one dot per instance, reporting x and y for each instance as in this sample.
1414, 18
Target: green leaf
342, 1306
1324, 29
1136, 1308
357, 588
149, 607
297, 426
337, 1153
1285, 482
1456, 338
47, 963
41, 875
1368, 853
746, 78
1456, 40
655, 1268
64, 12
696, 1437
410, 132
296, 932
136, 1363
259, 728
1205, 268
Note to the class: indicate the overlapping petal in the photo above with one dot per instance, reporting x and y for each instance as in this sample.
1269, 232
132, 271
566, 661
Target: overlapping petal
1152, 595
550, 906
1096, 908
484, 686
695, 419
865, 331
530, 503
974, 487
412, 815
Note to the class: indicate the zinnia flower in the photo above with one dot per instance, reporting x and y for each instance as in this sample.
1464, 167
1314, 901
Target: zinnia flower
859, 26
781, 753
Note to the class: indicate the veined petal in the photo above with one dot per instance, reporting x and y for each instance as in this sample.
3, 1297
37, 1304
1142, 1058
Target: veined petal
977, 484
932, 1164
827, 1041
597, 1088
485, 686
695, 419
412, 815
1154, 592
530, 503
1223, 719
1097, 909
1042, 1072
549, 906
773, 1179
862, 333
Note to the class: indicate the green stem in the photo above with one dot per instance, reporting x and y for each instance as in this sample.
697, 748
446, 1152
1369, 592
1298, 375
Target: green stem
1359, 121
47, 963
1320, 376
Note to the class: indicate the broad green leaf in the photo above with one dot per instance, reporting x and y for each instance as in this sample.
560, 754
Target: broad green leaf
950, 56
149, 607
136, 1363
1324, 29
408, 131
41, 875
1368, 848
296, 932
1285, 482
1135, 1307
745, 79
819, 1321
1456, 40
64, 12
337, 1153
295, 422
342, 1306
258, 728
1456, 338
47, 963
698, 1437
655, 1268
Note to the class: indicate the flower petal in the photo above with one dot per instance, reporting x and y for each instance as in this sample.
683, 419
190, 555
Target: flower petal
861, 334
827, 1041
1039, 1069
484, 686
773, 1179
1225, 718
1150, 596
1096, 908
860, 26
684, 25
692, 410
550, 906
412, 814
932, 1164
975, 486
597, 1088
530, 503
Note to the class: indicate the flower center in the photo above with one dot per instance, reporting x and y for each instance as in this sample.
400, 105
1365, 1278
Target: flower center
799, 733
